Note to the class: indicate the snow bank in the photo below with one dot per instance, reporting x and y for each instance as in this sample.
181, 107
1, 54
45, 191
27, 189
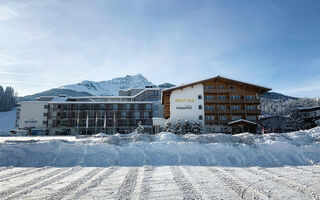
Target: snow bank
296, 148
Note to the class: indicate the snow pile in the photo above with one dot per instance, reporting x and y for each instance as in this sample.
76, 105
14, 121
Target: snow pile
296, 148
7, 120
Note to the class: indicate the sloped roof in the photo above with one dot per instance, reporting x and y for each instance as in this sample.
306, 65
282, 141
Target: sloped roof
242, 120
263, 89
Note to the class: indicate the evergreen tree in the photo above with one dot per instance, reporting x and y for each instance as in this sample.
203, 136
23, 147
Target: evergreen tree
197, 127
140, 128
168, 126
7, 99
178, 129
259, 129
187, 127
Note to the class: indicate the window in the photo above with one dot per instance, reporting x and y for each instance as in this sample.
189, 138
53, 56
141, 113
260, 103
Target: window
148, 106
208, 87
137, 115
200, 117
221, 87
251, 107
44, 122
146, 115
235, 107
209, 107
45, 106
249, 97
123, 114
231, 88
235, 117
155, 107
222, 97
45, 114
200, 107
222, 107
208, 97
209, 117
235, 97
199, 96
253, 118
223, 117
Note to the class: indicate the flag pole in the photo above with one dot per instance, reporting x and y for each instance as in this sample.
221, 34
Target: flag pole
96, 122
105, 122
87, 123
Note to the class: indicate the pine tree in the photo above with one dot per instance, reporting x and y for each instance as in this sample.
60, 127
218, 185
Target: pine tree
168, 126
140, 128
197, 127
259, 129
187, 127
178, 129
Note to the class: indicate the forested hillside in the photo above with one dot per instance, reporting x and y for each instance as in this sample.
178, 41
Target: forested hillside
7, 99
277, 104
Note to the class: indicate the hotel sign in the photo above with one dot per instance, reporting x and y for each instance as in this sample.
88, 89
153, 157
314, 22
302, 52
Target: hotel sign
186, 107
184, 100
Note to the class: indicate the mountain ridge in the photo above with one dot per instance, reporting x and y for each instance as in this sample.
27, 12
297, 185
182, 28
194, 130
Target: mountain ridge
109, 87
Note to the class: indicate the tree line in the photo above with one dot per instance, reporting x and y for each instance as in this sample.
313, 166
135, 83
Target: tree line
7, 99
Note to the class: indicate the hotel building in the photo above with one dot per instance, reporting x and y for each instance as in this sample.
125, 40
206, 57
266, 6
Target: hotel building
65, 115
221, 104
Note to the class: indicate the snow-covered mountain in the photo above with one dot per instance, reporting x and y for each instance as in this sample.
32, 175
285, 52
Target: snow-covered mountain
110, 87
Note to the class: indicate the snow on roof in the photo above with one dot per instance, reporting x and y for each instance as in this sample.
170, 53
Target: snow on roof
241, 120
59, 99
308, 108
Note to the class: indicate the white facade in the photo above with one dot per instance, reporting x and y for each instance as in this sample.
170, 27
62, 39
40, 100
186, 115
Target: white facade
187, 102
33, 114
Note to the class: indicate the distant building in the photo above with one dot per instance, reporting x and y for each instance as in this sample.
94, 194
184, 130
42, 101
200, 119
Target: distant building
223, 105
277, 124
92, 114
310, 115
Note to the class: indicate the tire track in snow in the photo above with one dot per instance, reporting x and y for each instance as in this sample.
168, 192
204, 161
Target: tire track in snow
25, 174
293, 185
62, 174
203, 190
16, 172
34, 181
145, 186
185, 186
94, 183
128, 184
203, 181
249, 189
235, 184
60, 194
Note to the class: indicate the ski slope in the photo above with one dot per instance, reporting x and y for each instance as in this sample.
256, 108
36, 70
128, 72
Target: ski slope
165, 182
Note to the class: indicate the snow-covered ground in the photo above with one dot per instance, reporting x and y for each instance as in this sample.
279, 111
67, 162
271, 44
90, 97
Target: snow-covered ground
160, 182
162, 166
7, 120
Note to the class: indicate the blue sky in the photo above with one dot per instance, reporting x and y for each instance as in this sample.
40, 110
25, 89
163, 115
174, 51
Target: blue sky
50, 43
